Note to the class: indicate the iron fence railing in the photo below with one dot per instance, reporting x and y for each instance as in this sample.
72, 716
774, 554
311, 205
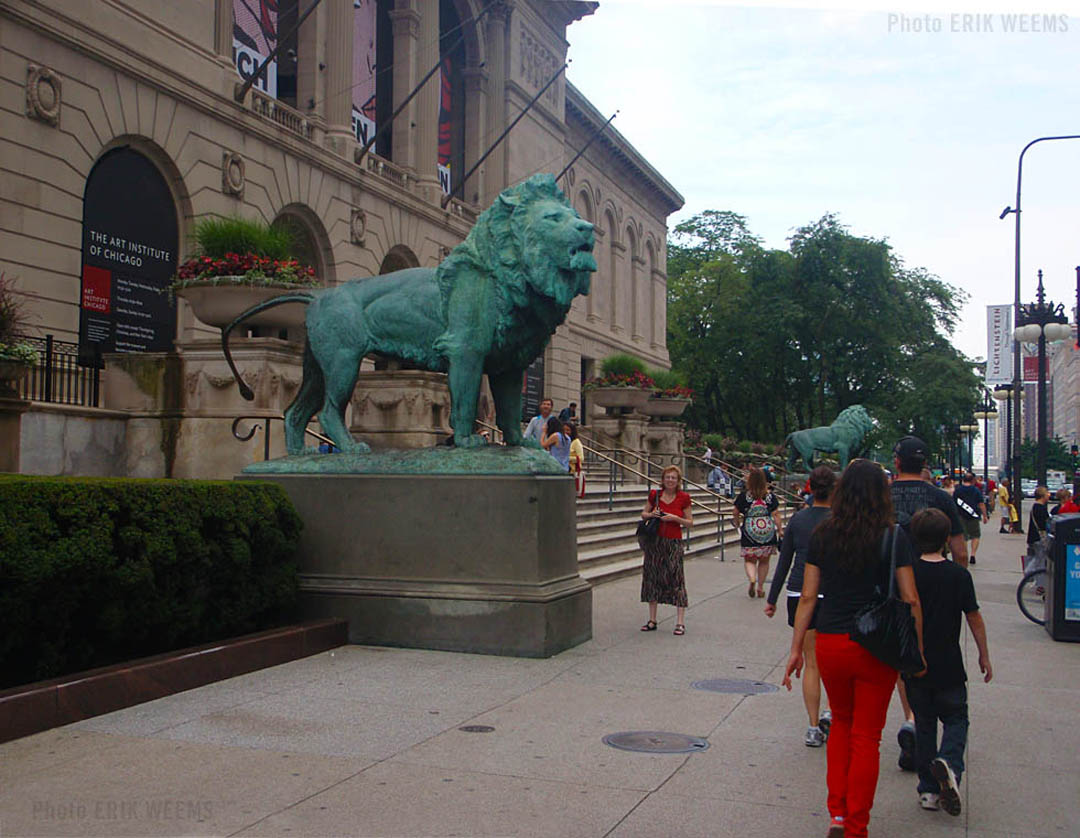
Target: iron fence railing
58, 377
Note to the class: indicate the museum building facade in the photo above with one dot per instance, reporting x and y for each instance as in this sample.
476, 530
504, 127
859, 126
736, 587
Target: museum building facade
127, 121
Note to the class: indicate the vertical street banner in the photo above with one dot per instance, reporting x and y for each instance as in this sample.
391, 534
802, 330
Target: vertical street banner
999, 348
363, 91
255, 34
446, 118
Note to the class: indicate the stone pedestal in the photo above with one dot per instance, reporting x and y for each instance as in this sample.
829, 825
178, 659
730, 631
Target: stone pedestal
11, 410
401, 409
629, 433
467, 563
664, 442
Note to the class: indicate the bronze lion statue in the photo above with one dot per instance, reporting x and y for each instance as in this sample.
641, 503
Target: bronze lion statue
490, 307
844, 437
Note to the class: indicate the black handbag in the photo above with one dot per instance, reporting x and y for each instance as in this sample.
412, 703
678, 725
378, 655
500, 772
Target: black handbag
649, 528
886, 628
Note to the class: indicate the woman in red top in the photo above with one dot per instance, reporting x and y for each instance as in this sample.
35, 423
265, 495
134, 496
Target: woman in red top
662, 577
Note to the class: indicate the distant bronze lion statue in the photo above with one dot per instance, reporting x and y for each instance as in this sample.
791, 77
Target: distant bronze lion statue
843, 437
490, 307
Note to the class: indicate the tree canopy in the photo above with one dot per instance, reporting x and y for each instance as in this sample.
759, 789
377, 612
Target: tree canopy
777, 340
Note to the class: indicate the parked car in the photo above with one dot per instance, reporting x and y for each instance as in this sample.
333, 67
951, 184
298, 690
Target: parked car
1028, 488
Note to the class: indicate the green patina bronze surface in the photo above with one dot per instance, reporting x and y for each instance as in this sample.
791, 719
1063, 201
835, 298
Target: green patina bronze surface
495, 459
843, 437
490, 307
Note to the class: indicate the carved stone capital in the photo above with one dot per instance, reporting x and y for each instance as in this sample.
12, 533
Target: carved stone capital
42, 94
233, 175
405, 22
358, 226
618, 247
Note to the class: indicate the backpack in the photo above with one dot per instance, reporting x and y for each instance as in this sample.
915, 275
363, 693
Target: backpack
759, 525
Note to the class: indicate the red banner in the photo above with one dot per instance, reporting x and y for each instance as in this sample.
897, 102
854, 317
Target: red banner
1031, 369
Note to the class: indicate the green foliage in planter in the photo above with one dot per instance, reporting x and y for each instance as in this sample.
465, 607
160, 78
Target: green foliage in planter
666, 379
744, 446
96, 570
622, 364
715, 442
13, 320
215, 237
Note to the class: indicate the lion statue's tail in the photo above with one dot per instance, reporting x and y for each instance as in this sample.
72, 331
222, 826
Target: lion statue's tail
294, 297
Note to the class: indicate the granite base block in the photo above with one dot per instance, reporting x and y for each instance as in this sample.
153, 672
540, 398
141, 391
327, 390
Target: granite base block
465, 563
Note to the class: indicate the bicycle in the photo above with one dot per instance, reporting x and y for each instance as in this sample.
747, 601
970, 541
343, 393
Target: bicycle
1031, 592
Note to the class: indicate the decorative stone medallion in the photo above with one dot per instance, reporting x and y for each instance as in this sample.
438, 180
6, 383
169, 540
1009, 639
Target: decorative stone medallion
42, 94
232, 174
358, 226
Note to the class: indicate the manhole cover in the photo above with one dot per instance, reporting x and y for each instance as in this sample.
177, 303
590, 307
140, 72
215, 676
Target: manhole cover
476, 728
655, 742
738, 686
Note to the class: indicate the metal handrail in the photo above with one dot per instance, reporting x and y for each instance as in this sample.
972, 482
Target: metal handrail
791, 496
266, 432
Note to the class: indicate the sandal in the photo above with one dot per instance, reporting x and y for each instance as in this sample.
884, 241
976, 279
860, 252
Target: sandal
750, 591
760, 592
680, 630
649, 626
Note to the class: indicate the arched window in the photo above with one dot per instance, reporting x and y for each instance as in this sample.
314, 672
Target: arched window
311, 245
398, 258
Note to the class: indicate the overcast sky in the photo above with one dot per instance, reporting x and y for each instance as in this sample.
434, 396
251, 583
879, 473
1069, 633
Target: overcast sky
783, 114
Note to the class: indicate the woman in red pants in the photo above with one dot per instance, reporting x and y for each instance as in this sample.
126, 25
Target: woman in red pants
848, 564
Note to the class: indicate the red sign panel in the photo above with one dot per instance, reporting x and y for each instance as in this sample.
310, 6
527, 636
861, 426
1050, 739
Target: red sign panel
1031, 369
97, 289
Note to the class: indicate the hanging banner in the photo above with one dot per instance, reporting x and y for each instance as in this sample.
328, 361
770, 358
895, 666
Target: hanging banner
129, 247
1031, 368
446, 117
999, 348
254, 38
363, 91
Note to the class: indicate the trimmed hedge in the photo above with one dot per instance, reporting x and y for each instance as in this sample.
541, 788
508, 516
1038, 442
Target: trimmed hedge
97, 571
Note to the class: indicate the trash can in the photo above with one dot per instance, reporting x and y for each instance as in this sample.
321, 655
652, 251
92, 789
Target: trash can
1063, 579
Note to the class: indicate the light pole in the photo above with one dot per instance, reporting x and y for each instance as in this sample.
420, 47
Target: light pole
969, 430
1018, 388
1040, 322
986, 412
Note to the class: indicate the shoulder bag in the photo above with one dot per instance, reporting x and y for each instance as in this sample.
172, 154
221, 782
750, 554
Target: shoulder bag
649, 528
886, 628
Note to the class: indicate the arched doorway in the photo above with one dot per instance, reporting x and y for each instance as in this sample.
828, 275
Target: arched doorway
398, 258
130, 238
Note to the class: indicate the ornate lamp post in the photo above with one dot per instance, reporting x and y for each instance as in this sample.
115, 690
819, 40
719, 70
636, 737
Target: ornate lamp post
1018, 387
969, 431
986, 412
1040, 322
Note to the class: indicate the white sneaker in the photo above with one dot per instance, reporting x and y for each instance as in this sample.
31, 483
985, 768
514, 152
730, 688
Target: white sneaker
814, 737
825, 723
929, 800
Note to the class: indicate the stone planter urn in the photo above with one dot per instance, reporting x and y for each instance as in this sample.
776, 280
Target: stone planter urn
664, 407
634, 398
219, 304
11, 373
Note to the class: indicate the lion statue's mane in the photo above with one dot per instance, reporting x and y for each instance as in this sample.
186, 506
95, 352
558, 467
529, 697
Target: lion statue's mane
843, 437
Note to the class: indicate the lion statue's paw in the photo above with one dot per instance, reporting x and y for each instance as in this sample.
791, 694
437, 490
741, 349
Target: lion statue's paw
528, 443
470, 441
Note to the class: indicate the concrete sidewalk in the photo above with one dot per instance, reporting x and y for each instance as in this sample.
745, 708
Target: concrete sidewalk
367, 741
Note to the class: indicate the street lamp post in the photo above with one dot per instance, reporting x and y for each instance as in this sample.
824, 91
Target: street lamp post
1040, 322
1003, 393
986, 412
1018, 387
969, 430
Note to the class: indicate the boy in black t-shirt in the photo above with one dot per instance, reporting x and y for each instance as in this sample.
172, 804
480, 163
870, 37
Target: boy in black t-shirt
945, 591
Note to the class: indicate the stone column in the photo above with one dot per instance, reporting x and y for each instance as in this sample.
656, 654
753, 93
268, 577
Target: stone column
498, 64
476, 93
427, 103
223, 28
338, 75
658, 308
638, 306
405, 21
618, 256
